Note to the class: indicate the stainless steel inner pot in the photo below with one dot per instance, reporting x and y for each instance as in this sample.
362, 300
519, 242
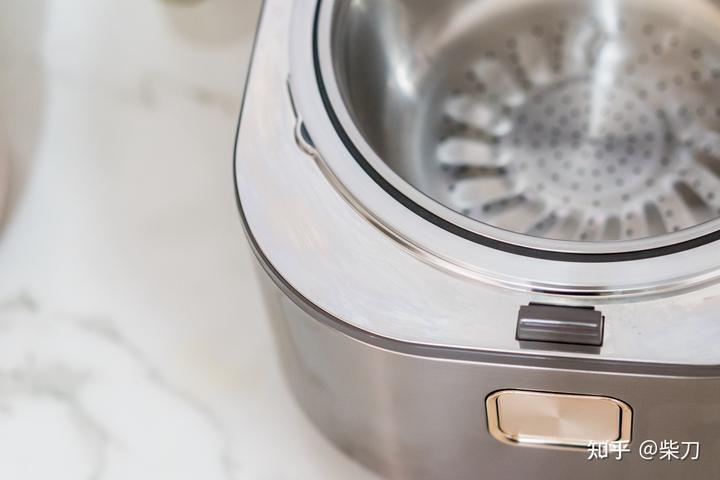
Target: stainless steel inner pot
570, 120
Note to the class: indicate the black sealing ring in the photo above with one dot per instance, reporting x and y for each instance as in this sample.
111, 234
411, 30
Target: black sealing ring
475, 237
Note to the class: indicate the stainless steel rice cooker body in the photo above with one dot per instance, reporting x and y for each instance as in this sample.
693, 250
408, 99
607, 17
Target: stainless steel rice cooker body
488, 229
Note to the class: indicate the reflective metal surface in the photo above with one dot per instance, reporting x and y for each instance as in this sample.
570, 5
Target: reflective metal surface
383, 270
590, 125
393, 331
556, 420
412, 417
687, 268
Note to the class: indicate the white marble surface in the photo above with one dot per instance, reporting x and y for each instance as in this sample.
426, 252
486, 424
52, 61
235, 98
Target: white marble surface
133, 343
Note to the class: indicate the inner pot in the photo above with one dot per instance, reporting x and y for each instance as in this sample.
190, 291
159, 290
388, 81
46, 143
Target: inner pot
591, 122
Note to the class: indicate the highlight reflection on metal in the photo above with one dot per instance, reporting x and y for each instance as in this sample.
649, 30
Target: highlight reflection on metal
347, 255
565, 126
554, 420
444, 250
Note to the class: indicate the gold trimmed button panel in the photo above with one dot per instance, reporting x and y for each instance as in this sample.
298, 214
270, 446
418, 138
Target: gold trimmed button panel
557, 420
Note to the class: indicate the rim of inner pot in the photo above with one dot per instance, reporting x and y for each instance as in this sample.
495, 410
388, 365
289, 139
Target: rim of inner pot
558, 126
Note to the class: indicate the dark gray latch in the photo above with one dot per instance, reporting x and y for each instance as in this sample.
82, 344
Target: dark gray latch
560, 324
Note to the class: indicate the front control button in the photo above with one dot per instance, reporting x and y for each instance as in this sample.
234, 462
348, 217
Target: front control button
557, 420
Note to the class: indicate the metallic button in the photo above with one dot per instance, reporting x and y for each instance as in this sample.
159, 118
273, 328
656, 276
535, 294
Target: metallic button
555, 420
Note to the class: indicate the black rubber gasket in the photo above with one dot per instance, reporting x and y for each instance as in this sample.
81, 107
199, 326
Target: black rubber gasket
472, 236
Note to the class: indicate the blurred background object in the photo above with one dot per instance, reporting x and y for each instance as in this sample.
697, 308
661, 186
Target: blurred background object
133, 342
213, 22
22, 90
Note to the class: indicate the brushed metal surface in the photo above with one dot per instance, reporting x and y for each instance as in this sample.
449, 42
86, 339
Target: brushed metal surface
437, 314
416, 282
554, 420
436, 246
588, 125
414, 417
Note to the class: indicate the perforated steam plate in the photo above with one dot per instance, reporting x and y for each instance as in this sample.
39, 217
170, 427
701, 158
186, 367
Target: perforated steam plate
581, 128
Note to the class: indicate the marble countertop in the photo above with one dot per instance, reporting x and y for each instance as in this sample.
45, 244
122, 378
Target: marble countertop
133, 340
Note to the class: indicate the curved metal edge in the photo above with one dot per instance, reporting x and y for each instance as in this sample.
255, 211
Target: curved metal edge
535, 360
438, 352
435, 219
551, 291
558, 289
